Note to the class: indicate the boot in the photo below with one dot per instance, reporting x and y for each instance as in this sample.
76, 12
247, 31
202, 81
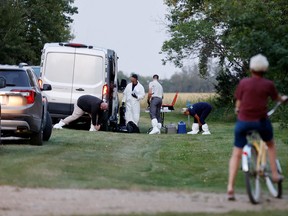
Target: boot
205, 129
159, 126
59, 125
92, 128
155, 129
195, 129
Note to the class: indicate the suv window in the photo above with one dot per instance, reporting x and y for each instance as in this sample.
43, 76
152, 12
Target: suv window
15, 77
32, 78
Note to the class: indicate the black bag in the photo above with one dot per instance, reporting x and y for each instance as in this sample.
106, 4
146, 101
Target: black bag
132, 127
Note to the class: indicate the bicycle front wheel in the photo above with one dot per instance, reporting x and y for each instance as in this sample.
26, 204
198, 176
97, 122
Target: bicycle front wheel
252, 179
274, 188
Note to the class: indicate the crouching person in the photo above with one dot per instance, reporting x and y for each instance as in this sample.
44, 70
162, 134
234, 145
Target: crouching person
92, 105
199, 111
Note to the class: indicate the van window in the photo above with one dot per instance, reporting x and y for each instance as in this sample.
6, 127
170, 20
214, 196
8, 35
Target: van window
89, 69
59, 67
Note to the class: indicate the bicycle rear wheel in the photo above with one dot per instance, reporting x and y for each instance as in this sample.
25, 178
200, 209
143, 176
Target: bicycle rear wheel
252, 179
274, 188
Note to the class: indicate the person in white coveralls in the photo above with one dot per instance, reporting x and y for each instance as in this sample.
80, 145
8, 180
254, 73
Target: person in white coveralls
132, 95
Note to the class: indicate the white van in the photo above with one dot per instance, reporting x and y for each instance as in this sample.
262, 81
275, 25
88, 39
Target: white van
77, 69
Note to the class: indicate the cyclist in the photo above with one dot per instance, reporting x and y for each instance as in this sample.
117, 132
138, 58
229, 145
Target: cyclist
252, 96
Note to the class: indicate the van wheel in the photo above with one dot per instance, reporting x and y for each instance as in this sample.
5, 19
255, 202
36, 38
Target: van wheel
37, 138
47, 127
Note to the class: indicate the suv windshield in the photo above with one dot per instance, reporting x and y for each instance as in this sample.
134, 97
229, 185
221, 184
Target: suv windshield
15, 77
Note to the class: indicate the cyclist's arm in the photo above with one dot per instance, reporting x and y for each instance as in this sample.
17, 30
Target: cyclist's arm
237, 106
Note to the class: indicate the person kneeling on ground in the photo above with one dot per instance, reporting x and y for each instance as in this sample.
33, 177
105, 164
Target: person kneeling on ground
92, 105
199, 111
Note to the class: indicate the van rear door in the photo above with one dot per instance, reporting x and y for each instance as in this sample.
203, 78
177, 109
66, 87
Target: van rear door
58, 70
89, 73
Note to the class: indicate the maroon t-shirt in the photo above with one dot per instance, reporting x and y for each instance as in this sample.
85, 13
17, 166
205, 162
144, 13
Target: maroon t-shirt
254, 94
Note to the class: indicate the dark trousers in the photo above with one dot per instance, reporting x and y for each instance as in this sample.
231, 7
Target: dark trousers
203, 115
155, 108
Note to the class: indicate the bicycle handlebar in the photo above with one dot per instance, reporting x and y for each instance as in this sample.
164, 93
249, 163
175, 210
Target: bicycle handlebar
276, 106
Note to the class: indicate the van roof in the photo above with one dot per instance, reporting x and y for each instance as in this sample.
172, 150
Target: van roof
73, 45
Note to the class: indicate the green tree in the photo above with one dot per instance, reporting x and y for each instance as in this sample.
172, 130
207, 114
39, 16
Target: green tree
231, 31
13, 45
30, 24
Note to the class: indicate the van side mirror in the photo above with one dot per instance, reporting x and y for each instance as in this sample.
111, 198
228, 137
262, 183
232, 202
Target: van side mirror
2, 82
46, 87
122, 85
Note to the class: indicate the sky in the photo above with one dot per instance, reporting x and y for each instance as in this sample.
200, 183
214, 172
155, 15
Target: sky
135, 29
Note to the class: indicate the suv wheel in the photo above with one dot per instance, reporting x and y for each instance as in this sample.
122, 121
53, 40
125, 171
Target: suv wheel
37, 138
47, 127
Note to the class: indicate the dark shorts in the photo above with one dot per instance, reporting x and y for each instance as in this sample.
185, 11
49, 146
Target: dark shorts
264, 128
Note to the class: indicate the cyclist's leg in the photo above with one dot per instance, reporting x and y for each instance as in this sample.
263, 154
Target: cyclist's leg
233, 168
272, 158
266, 133
239, 143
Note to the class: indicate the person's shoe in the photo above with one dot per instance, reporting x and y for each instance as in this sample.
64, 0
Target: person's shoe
280, 178
159, 126
193, 132
59, 125
231, 196
155, 130
92, 128
195, 129
205, 129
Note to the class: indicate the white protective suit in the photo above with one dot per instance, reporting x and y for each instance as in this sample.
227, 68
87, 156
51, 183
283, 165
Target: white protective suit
132, 104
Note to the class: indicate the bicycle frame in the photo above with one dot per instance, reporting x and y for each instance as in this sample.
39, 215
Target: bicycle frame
261, 149
255, 166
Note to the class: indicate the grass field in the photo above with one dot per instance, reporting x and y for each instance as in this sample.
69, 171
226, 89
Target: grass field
76, 158
102, 160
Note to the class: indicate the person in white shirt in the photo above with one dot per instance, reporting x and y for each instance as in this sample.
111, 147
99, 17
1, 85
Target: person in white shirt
132, 95
155, 96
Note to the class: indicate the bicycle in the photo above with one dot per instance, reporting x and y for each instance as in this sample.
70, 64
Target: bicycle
256, 167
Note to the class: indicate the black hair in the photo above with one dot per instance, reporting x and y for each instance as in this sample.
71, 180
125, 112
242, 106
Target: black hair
155, 76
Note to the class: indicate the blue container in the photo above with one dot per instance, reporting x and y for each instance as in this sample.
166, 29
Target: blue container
181, 127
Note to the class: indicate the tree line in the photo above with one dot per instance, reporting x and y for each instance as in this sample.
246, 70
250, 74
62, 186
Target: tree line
222, 34
230, 32
26, 25
188, 80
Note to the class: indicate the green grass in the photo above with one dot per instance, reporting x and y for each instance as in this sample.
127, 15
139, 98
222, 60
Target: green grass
82, 159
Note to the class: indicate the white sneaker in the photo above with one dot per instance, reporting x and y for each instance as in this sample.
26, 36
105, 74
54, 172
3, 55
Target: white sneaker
155, 130
92, 128
193, 132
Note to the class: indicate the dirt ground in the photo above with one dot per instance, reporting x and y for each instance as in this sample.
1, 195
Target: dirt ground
44, 202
